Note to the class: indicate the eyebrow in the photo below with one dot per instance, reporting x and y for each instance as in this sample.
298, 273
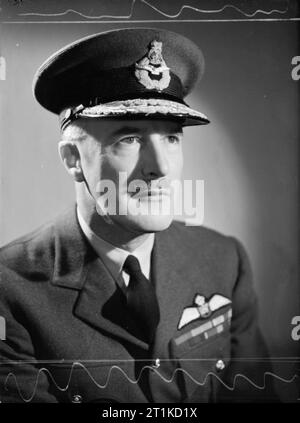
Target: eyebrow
125, 130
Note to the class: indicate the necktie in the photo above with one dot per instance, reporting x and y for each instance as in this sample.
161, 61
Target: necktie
141, 299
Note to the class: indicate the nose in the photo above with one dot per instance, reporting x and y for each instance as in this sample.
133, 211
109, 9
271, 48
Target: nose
155, 161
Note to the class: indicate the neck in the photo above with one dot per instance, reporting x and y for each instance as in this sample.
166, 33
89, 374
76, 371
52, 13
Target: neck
112, 232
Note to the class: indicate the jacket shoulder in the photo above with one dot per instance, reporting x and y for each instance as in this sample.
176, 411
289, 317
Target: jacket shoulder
202, 235
200, 242
31, 256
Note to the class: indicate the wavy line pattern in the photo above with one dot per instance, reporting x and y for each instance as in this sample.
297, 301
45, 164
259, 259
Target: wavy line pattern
135, 381
66, 12
166, 15
226, 6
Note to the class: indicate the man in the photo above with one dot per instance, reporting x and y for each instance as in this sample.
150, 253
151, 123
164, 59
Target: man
112, 302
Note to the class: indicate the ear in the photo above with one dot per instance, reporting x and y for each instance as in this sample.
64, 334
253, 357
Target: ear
70, 157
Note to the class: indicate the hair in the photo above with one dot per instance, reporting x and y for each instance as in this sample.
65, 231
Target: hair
75, 131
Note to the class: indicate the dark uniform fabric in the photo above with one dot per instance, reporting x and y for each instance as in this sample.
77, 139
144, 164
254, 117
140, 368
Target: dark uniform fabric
69, 336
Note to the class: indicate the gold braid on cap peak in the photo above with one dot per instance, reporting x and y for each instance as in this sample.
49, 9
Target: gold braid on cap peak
134, 107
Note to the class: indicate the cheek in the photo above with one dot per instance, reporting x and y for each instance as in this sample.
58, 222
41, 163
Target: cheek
113, 169
175, 166
112, 165
91, 160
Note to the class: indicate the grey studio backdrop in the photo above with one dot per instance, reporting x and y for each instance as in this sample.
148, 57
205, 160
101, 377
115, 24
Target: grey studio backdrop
247, 156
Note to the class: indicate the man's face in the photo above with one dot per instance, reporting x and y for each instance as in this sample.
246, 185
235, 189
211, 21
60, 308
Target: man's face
140, 159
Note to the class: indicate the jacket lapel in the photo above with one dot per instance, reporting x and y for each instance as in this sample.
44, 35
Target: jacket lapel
100, 302
178, 278
170, 275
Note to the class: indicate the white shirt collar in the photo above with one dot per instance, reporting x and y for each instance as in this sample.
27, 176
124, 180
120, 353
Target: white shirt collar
114, 257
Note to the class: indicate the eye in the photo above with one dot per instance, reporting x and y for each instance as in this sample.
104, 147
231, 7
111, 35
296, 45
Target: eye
129, 140
174, 139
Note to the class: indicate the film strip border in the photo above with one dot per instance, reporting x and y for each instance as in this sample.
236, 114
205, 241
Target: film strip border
140, 10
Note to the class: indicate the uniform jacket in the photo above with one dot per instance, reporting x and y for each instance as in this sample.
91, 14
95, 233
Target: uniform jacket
69, 337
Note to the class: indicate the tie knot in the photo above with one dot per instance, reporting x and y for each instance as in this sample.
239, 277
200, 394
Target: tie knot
132, 265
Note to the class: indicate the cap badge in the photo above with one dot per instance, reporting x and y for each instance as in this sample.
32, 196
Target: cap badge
152, 71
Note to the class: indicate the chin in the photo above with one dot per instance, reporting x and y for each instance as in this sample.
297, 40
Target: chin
147, 223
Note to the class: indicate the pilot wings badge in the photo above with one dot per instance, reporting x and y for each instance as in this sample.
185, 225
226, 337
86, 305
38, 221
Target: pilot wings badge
202, 308
152, 71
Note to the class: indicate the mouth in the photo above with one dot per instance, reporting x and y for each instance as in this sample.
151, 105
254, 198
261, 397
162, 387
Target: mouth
152, 194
